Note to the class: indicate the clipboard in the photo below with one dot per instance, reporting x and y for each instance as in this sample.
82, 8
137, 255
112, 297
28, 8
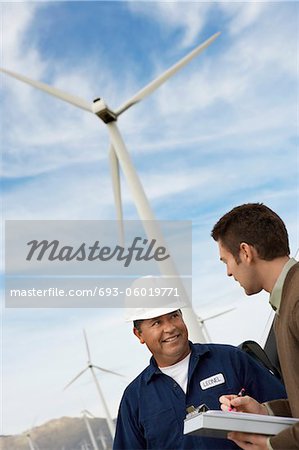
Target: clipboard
214, 423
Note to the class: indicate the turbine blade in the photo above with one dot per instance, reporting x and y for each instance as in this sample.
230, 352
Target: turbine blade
108, 371
87, 346
87, 413
224, 311
76, 101
167, 74
114, 167
76, 378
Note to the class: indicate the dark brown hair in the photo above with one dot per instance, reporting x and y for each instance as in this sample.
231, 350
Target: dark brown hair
255, 224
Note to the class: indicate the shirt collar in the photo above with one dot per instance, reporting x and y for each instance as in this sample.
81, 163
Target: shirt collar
196, 352
275, 297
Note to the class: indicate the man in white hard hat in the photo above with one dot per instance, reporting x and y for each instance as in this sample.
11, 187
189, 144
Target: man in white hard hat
181, 374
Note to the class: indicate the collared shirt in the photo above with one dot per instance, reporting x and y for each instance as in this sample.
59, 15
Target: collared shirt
153, 407
275, 297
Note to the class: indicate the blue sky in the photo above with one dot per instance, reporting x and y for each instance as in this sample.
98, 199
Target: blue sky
222, 132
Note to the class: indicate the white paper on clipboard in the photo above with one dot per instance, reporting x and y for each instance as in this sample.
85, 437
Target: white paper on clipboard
218, 423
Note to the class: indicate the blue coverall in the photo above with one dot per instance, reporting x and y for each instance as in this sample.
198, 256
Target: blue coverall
153, 406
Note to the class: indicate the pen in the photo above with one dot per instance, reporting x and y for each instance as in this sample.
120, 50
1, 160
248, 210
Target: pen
240, 394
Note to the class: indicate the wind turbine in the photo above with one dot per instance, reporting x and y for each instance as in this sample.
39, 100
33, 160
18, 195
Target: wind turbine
85, 415
119, 155
91, 367
30, 442
103, 441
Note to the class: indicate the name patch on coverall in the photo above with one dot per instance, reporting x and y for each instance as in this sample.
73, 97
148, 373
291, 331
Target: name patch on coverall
212, 381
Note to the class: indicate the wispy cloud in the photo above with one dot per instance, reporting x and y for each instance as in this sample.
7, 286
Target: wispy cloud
188, 21
241, 16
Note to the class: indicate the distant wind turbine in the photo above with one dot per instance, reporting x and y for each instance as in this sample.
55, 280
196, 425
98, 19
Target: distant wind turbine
85, 415
120, 155
30, 442
91, 367
103, 441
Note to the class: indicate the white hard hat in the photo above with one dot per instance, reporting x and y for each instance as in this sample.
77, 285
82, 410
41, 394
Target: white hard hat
145, 299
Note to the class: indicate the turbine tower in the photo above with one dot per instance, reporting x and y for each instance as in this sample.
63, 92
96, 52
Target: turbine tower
91, 367
120, 156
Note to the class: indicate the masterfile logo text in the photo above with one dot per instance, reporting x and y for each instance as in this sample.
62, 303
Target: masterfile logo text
140, 249
83, 264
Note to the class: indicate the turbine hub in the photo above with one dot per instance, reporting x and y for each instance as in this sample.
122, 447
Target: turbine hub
102, 111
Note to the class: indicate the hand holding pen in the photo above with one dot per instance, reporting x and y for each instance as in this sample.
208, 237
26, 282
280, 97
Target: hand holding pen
241, 403
241, 393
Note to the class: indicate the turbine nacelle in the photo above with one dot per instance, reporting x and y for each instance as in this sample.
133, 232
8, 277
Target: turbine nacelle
100, 108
